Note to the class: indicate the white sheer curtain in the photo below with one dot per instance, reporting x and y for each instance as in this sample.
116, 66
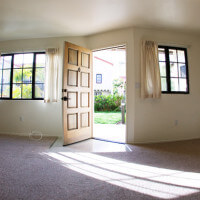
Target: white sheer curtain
150, 72
51, 76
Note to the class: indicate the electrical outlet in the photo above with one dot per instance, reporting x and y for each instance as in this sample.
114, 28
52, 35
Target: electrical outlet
137, 85
21, 118
176, 122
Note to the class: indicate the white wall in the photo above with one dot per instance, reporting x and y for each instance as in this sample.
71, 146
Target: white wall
37, 116
106, 70
147, 120
155, 119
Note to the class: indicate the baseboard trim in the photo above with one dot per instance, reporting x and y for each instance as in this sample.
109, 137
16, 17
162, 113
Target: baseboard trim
165, 141
24, 134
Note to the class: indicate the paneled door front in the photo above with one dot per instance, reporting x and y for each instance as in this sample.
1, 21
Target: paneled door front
77, 94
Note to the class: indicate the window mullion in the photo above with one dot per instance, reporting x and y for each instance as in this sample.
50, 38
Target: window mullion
187, 70
11, 77
168, 69
33, 80
2, 78
22, 83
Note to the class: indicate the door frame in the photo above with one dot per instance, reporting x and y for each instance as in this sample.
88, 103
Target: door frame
111, 47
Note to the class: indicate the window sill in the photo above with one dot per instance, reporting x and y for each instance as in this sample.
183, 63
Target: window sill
21, 99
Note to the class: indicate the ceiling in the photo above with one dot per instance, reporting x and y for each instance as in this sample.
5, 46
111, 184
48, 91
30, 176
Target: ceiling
20, 19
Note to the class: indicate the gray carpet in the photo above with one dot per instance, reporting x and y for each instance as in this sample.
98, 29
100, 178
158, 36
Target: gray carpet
29, 171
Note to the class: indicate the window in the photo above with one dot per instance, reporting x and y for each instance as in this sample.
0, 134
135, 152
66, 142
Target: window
22, 76
173, 70
99, 78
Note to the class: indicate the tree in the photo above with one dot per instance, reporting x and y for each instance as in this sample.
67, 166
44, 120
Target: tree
118, 86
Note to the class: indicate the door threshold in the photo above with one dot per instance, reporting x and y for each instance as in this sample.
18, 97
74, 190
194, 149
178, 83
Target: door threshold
108, 140
64, 145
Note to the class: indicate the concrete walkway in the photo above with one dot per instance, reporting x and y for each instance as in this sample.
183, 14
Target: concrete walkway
110, 132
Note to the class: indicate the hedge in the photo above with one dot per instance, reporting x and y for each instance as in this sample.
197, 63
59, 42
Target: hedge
107, 103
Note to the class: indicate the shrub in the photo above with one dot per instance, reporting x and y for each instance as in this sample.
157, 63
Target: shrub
107, 103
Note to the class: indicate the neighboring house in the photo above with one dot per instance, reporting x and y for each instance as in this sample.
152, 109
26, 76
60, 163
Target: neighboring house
108, 65
103, 76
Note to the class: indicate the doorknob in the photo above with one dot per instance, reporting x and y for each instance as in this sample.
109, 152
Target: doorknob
65, 98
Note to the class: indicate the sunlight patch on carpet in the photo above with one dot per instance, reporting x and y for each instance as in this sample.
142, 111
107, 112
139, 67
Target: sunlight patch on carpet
148, 180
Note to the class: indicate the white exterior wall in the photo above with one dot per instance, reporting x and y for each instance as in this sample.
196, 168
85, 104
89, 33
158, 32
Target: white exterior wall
101, 67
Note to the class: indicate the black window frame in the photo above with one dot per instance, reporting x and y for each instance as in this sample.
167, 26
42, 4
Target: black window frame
33, 77
96, 78
168, 77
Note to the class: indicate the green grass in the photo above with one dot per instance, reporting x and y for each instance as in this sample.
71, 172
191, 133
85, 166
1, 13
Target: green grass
107, 117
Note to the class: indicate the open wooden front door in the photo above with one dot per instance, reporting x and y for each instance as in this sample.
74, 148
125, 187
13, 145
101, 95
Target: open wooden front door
77, 94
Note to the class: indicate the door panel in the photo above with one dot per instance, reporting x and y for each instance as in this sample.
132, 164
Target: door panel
73, 56
72, 78
72, 100
84, 119
85, 60
72, 121
85, 79
77, 85
85, 99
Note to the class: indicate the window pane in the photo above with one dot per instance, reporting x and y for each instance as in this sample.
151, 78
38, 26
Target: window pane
0, 76
18, 60
5, 90
173, 70
1, 62
181, 56
28, 60
39, 76
17, 76
182, 70
40, 60
162, 68
99, 78
161, 54
163, 84
174, 84
7, 62
27, 91
16, 91
27, 75
39, 90
6, 76
172, 55
183, 84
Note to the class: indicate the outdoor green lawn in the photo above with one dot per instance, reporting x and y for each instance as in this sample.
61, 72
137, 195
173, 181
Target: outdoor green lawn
107, 117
